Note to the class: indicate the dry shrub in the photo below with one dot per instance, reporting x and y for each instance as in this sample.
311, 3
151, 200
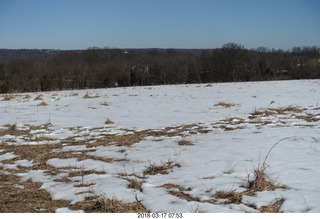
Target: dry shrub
164, 168
102, 204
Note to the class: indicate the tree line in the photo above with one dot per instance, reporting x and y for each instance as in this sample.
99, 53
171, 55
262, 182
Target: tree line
100, 68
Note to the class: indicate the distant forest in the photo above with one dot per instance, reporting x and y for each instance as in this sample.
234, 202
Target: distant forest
100, 68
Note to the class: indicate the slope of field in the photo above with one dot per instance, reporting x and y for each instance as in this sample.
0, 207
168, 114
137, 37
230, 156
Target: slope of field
231, 147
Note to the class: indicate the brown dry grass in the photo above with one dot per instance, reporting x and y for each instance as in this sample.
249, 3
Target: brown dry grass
8, 97
163, 168
275, 111
102, 204
185, 142
224, 104
105, 103
135, 184
83, 172
108, 122
39, 97
272, 208
179, 191
261, 182
26, 198
231, 196
88, 96
43, 104
13, 130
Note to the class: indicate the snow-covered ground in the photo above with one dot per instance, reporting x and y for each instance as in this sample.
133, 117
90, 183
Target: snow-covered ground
228, 130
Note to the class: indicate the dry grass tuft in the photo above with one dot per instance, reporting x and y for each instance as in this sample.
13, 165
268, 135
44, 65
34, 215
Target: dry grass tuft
231, 196
164, 168
179, 191
273, 208
135, 184
83, 172
173, 186
128, 140
105, 103
185, 142
229, 168
13, 130
43, 104
275, 111
224, 104
102, 204
183, 195
8, 97
261, 181
108, 122
39, 97
88, 96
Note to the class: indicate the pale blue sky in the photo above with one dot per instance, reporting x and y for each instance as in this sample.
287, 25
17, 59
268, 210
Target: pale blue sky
79, 24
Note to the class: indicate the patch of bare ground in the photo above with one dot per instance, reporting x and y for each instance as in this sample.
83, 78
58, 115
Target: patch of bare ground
25, 197
102, 204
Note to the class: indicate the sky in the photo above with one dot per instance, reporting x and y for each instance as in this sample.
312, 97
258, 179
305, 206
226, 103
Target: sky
80, 24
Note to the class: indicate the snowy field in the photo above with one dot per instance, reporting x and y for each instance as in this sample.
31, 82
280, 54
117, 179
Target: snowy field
177, 148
